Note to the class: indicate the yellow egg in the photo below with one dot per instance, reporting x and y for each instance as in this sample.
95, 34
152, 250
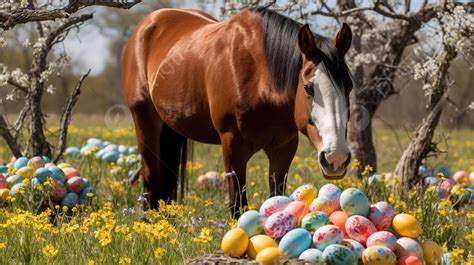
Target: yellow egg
269, 256
406, 225
235, 242
432, 252
25, 172
306, 193
258, 243
4, 194
63, 165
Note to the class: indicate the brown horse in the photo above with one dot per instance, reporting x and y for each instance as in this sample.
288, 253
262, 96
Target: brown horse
247, 83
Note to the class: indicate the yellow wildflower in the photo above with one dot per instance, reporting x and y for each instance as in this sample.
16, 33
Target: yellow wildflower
50, 251
125, 260
159, 253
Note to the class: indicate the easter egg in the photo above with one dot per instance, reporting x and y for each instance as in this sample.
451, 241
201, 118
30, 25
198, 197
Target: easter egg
471, 178
354, 202
58, 191
235, 242
381, 215
133, 150
34, 182
251, 222
63, 165
17, 188
3, 181
408, 247
46, 159
378, 255
313, 256
446, 258
111, 147
20, 162
13, 179
443, 170
70, 172
447, 185
432, 252
75, 184
359, 228
72, 151
305, 193
110, 156
49, 165
331, 192
86, 148
87, 183
431, 181
382, 238
4, 193
409, 260
258, 243
356, 247
406, 225
322, 204
95, 142
389, 177
83, 195
25, 172
70, 200
424, 171
339, 218
338, 255
440, 192
100, 153
269, 256
376, 181
273, 205
313, 221
202, 179
57, 173
42, 173
279, 223
36, 162
298, 209
461, 177
327, 235
293, 243
123, 149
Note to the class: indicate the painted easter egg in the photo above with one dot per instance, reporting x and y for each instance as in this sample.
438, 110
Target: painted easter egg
469, 196
13, 180
3, 169
95, 142
447, 185
432, 252
58, 191
36, 162
3, 181
331, 192
313, 221
381, 215
57, 174
443, 170
431, 181
378, 255
110, 156
25, 172
83, 197
409, 260
461, 177
354, 202
338, 255
273, 205
70, 172
322, 204
258, 243
327, 235
17, 188
34, 182
4, 193
75, 184
235, 242
339, 218
382, 238
305, 193
251, 222
359, 228
86, 148
42, 173
63, 165
100, 153
72, 151
46, 159
424, 171
269, 256
279, 223
406, 225
298, 209
20, 162
313, 256
356, 247
293, 243
408, 247
376, 181
70, 200
440, 192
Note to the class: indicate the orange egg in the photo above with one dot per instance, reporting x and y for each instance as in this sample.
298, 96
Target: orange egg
297, 209
406, 225
258, 243
70, 172
339, 218
409, 260
235, 242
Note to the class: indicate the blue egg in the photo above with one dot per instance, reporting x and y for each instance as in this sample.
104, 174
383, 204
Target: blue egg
295, 242
424, 171
14, 179
20, 162
107, 143
313, 256
354, 202
111, 147
445, 171
70, 200
72, 151
34, 182
46, 159
446, 258
57, 174
110, 156
87, 183
440, 193
123, 149
16, 187
431, 181
338, 255
376, 181
86, 148
251, 222
3, 169
83, 195
469, 196
42, 173
100, 153
132, 150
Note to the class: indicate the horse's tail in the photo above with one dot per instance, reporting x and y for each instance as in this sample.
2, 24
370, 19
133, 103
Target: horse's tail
175, 151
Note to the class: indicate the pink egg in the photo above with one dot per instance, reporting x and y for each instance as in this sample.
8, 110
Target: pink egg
471, 178
279, 223
382, 238
381, 215
202, 180
359, 228
71, 172
461, 177
298, 209
75, 184
322, 204
408, 247
327, 235
273, 205
58, 191
3, 181
409, 260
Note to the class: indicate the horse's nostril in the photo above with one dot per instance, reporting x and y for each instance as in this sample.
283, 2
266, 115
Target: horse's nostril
323, 160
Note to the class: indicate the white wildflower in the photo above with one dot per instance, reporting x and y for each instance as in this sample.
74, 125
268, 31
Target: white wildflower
51, 89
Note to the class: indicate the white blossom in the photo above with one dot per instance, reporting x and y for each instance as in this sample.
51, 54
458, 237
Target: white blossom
26, 43
51, 89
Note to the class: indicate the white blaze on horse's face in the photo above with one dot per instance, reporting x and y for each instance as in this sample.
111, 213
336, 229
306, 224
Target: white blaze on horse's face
329, 114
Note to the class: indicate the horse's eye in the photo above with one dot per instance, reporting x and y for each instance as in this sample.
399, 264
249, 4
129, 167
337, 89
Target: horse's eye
308, 90
310, 121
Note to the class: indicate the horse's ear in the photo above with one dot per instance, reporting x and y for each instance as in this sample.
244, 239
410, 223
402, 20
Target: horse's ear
343, 39
307, 43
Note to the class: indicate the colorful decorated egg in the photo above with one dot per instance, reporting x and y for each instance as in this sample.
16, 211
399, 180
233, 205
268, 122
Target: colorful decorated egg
378, 255
432, 252
424, 171
313, 256
446, 258
338, 255
25, 172
382, 238
70, 172
48, 165
36, 162
3, 169
84, 197
20, 162
3, 181
86, 182
381, 215
339, 218
13, 180
34, 182
70, 200
75, 184
305, 193
293, 243
4, 193
354, 202
443, 170
376, 181
235, 242
58, 173
356, 247
409, 260
42, 173
251, 222
406, 225
461, 177
298, 209
322, 204
359, 228
447, 185
58, 191
258, 243
279, 223
17, 188
313, 221
327, 235
273, 205
408, 247
331, 192
269, 256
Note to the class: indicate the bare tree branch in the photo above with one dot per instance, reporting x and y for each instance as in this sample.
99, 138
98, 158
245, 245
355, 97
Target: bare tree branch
7, 136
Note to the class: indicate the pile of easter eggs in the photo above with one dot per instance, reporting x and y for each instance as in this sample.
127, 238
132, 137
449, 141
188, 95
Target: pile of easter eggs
106, 151
67, 187
329, 226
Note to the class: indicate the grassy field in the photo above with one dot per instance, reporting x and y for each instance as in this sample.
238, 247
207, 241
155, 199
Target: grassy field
110, 231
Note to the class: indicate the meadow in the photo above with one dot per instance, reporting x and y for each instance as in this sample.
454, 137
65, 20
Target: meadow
110, 231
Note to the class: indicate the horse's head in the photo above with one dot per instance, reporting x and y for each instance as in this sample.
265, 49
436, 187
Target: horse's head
323, 98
